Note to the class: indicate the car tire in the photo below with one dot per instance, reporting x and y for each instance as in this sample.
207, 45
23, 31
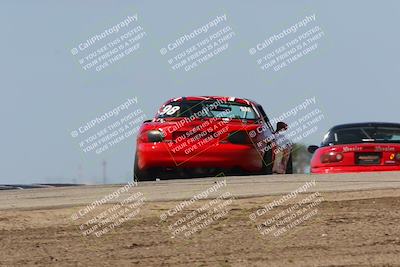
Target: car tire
140, 175
267, 163
289, 165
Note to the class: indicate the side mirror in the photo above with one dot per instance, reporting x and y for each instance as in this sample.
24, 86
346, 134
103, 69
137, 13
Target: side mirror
312, 149
281, 126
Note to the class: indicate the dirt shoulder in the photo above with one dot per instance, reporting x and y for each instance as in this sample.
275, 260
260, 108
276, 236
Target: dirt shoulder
349, 229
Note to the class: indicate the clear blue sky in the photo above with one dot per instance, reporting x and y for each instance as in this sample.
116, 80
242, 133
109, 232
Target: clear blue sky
45, 94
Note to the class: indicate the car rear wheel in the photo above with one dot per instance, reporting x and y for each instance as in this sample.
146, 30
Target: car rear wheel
267, 163
289, 165
140, 175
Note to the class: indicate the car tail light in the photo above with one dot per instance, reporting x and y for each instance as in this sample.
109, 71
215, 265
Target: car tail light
239, 137
398, 157
331, 157
155, 136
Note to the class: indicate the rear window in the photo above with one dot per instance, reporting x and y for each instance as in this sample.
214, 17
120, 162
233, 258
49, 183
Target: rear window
207, 109
367, 134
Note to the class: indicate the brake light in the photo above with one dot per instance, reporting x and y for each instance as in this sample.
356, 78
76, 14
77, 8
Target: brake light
331, 157
153, 136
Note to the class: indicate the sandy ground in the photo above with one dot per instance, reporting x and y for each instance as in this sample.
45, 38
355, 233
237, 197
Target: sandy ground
349, 228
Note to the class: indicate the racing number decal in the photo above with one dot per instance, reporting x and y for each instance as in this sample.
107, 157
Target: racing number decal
245, 109
170, 110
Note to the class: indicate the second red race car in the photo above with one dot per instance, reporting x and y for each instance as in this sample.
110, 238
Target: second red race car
358, 147
205, 136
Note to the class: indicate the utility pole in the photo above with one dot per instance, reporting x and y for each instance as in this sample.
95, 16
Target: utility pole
104, 163
79, 178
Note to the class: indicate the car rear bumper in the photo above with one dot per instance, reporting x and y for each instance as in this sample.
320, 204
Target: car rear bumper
351, 169
221, 156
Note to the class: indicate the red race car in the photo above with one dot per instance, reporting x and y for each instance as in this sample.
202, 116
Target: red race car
204, 136
358, 147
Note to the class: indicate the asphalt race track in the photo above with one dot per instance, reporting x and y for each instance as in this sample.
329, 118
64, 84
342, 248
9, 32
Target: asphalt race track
168, 190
